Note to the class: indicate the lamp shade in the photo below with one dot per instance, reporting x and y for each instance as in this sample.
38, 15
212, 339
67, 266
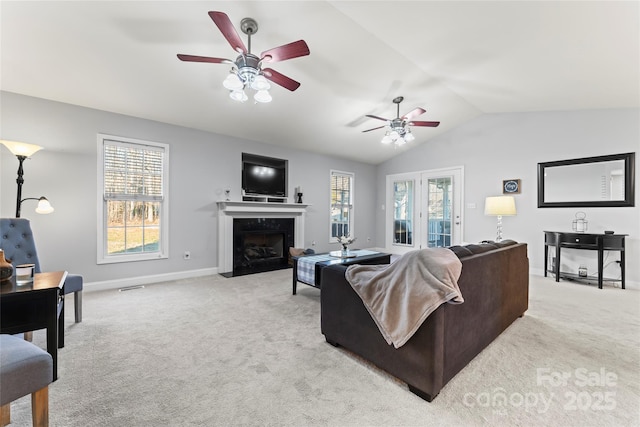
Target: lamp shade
44, 207
238, 95
262, 96
232, 82
260, 83
409, 137
500, 206
21, 148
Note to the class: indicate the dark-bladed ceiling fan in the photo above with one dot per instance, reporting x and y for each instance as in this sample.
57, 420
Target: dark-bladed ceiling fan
247, 68
398, 129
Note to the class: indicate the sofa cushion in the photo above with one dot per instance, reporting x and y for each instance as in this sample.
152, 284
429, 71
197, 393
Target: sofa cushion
461, 251
504, 243
472, 249
481, 247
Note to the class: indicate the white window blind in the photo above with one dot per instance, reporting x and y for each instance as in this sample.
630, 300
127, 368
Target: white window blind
133, 172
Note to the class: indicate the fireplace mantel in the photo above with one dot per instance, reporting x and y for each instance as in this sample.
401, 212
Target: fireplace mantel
255, 207
228, 210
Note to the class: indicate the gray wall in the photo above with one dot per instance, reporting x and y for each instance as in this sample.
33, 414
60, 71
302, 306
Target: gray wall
491, 148
201, 165
495, 147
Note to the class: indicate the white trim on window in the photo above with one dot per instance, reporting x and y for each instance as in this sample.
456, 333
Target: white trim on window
154, 190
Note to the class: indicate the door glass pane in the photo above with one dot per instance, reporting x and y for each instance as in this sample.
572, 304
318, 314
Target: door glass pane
403, 213
439, 216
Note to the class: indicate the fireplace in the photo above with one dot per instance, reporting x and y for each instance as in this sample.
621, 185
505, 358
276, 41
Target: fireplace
261, 244
267, 231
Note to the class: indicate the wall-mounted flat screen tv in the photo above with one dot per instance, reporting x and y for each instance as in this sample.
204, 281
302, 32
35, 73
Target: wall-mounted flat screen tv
265, 176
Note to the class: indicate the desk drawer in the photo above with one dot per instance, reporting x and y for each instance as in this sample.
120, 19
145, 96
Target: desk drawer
579, 239
613, 242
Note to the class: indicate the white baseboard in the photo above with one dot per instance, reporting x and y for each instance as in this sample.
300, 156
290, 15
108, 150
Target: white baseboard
157, 278
146, 280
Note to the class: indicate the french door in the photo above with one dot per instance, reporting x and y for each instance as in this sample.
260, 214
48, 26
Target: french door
424, 209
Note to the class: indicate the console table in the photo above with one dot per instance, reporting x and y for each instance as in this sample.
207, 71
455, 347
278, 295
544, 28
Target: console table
595, 242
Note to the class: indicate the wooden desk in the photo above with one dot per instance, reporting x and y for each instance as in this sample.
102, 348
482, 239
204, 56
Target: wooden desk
595, 242
33, 306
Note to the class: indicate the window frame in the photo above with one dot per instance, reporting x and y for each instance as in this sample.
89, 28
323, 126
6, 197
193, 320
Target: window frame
351, 204
102, 254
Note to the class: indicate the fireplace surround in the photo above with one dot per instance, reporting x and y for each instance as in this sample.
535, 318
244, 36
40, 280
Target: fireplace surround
270, 228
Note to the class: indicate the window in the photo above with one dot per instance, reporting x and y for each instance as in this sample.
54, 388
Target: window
133, 207
341, 218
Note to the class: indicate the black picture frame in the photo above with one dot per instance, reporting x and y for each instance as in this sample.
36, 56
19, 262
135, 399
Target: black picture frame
629, 182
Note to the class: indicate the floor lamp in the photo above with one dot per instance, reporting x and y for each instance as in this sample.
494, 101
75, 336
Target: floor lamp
22, 151
500, 206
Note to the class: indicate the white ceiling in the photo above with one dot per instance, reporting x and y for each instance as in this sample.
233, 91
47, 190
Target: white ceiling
457, 60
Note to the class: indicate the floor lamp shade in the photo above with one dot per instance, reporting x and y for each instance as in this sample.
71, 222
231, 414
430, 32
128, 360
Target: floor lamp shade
21, 148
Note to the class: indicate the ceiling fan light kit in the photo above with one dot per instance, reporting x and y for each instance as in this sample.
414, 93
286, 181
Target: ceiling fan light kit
247, 71
398, 130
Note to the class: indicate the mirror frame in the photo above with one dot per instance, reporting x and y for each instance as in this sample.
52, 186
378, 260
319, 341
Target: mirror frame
629, 182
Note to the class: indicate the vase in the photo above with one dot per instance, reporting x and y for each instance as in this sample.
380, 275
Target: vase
6, 269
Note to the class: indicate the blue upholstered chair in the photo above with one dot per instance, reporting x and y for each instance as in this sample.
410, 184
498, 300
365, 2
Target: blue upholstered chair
16, 239
24, 369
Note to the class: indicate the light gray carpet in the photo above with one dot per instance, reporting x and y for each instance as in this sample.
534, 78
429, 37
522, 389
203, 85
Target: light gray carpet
244, 351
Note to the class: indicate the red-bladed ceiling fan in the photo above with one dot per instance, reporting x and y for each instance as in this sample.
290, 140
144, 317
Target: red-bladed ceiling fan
247, 68
398, 129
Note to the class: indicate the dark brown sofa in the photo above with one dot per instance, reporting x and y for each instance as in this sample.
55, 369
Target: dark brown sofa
495, 285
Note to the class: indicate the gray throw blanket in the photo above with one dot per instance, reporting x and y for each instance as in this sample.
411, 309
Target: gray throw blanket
400, 296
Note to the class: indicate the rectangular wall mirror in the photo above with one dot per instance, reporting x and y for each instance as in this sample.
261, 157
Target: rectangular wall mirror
605, 181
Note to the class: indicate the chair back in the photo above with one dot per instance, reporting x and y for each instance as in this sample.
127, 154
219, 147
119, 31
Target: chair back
16, 240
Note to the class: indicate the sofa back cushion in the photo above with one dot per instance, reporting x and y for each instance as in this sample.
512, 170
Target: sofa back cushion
472, 249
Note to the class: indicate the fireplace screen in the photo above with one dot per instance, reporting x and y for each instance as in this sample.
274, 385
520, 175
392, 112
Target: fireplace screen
261, 244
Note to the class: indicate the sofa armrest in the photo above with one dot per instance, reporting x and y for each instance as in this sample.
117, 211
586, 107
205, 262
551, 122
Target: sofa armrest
495, 289
339, 298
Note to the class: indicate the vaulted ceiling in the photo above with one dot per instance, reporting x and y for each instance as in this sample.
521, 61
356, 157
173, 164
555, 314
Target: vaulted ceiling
457, 60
